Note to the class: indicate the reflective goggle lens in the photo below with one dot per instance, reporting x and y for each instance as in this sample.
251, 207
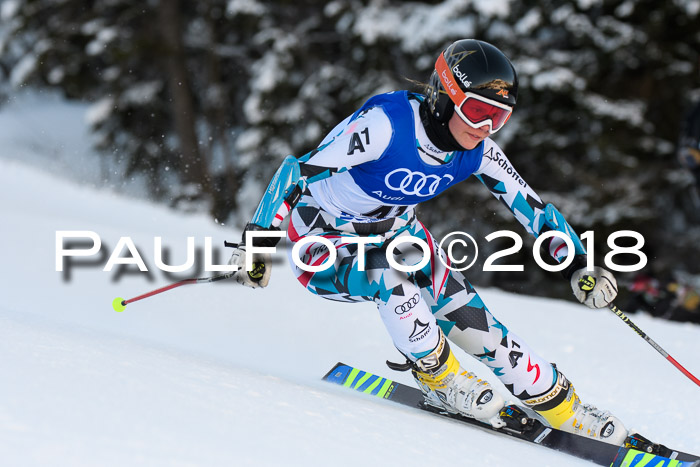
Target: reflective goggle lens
479, 112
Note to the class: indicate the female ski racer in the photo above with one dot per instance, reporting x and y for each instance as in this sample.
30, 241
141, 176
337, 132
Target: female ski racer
365, 180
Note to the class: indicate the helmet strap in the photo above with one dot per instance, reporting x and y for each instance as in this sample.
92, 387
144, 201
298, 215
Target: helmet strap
438, 132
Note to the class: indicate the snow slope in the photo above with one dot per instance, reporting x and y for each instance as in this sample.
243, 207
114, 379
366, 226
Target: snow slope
216, 374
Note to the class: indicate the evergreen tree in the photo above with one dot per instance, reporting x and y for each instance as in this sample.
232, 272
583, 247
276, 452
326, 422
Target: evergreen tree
207, 97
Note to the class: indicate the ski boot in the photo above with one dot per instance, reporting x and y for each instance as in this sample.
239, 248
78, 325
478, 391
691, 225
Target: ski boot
446, 385
562, 409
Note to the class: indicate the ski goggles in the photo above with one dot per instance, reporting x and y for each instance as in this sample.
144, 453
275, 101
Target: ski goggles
475, 110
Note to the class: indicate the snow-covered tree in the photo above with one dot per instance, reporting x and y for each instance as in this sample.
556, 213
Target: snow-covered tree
207, 97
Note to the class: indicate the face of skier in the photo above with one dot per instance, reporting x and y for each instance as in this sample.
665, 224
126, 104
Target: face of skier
466, 136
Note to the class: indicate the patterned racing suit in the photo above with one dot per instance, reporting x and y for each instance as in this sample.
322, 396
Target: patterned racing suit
365, 179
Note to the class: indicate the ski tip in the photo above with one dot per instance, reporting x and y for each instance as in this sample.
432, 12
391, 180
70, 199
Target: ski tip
333, 375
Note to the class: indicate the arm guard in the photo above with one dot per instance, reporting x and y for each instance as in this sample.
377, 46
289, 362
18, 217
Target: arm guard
285, 187
554, 220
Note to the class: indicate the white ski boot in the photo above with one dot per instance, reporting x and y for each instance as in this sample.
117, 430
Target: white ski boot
562, 408
446, 385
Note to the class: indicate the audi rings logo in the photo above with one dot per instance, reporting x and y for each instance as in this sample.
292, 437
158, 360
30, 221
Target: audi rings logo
406, 306
414, 183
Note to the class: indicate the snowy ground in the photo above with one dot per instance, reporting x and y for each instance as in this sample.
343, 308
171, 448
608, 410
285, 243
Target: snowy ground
221, 375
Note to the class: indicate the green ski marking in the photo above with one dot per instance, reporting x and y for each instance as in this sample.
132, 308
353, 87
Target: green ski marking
362, 380
373, 385
384, 391
351, 381
351, 376
641, 459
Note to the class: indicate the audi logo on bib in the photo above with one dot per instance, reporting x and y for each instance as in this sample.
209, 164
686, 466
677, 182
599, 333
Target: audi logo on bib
414, 183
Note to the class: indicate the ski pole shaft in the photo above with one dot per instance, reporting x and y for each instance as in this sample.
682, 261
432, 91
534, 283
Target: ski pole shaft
119, 303
651, 342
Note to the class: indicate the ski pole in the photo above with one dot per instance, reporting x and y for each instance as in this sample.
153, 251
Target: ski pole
651, 342
119, 304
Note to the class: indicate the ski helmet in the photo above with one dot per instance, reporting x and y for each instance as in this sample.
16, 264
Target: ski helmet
477, 67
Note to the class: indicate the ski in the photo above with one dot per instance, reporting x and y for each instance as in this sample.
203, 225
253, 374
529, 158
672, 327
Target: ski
637, 452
